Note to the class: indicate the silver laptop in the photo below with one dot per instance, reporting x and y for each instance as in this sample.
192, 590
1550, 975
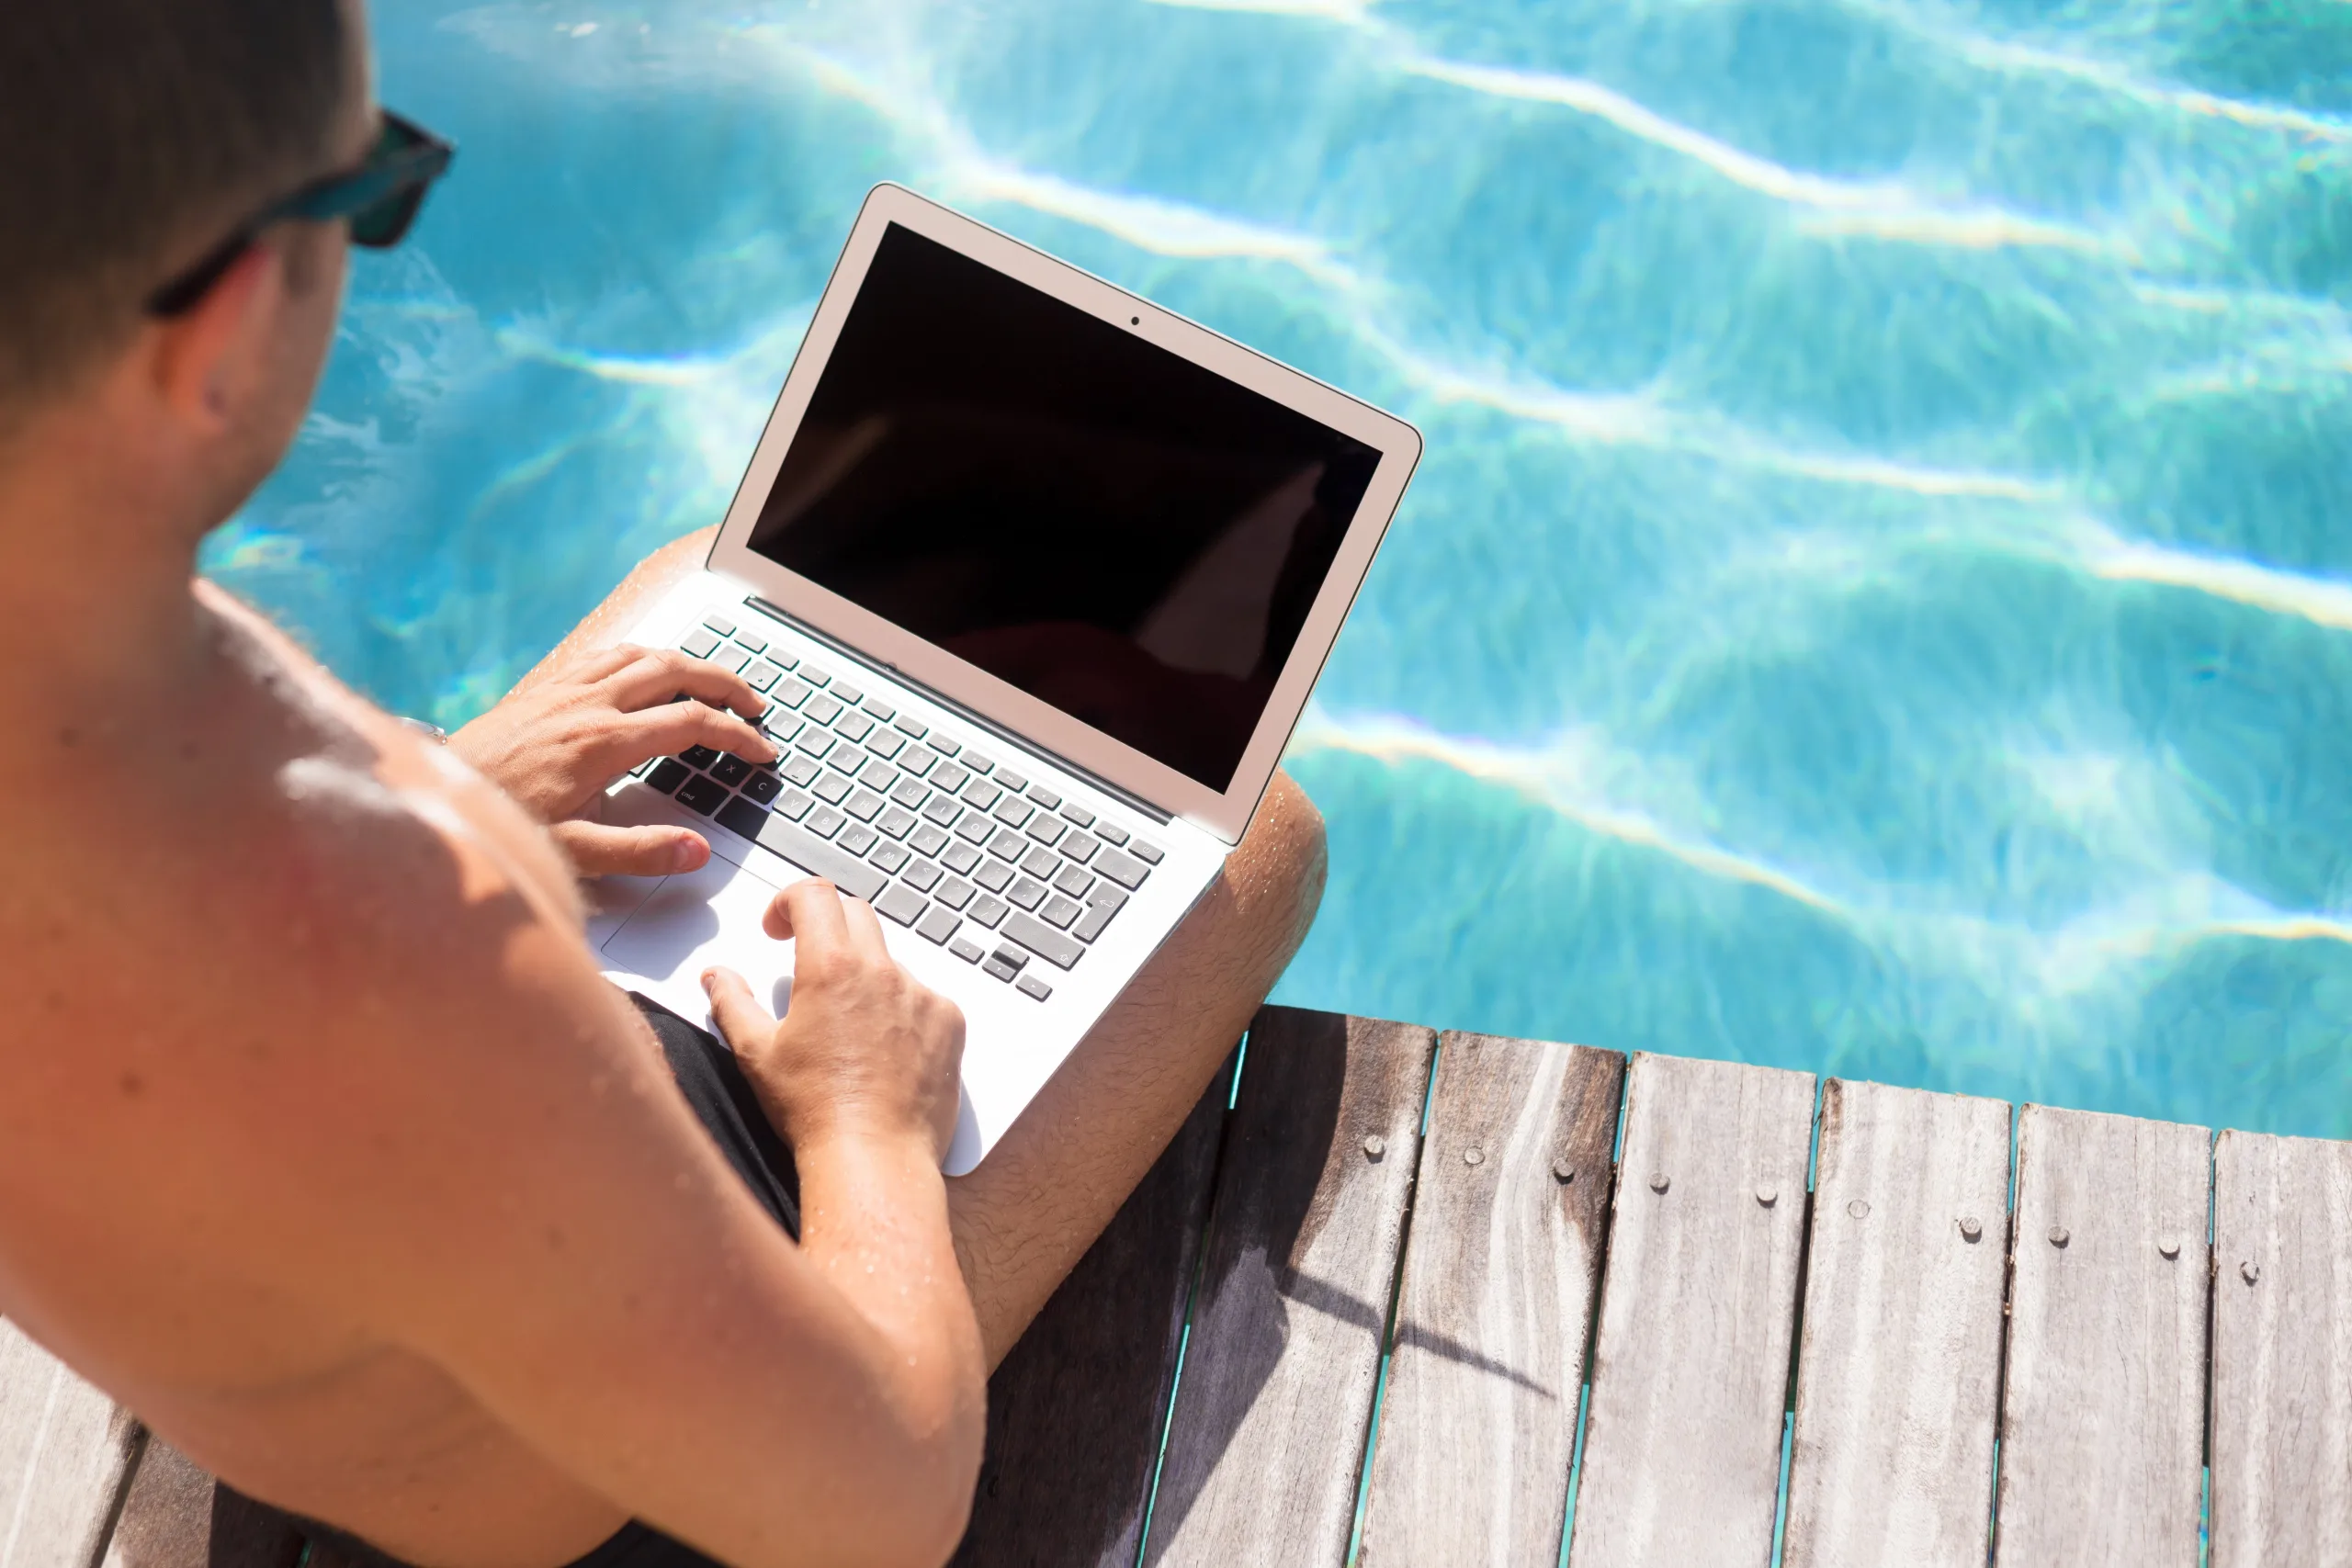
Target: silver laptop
1035, 578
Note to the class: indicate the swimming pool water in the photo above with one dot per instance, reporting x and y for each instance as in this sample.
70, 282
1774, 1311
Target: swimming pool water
1879, 596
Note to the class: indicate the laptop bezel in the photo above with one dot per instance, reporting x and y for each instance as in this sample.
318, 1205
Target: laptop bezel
1224, 813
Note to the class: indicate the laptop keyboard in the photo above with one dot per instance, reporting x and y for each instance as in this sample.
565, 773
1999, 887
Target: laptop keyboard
939, 837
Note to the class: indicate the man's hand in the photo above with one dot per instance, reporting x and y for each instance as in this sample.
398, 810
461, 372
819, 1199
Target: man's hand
866, 1051
556, 745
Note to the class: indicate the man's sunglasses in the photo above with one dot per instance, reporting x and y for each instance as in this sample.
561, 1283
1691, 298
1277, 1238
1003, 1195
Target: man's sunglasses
381, 197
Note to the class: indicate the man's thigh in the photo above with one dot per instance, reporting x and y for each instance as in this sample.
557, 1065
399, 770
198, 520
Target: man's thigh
1024, 1218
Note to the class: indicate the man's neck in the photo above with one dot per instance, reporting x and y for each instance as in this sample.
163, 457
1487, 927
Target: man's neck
97, 626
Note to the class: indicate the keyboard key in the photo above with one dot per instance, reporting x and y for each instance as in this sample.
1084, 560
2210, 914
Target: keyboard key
1060, 950
794, 805
1012, 811
974, 827
955, 892
832, 788
703, 796
1046, 799
1009, 845
888, 856
1150, 854
822, 708
909, 725
927, 840
1128, 873
959, 858
1015, 782
855, 726
1000, 969
750, 639
976, 761
1060, 911
1090, 924
825, 821
897, 822
1111, 833
921, 875
950, 776
993, 874
792, 693
698, 757
885, 743
1080, 847
1042, 863
883, 712
847, 873
938, 925
848, 693
943, 809
718, 624
764, 786
1026, 892
815, 674
700, 645
910, 793
1010, 956
1032, 987
918, 759
668, 774
1044, 828
864, 805
988, 909
1077, 815
901, 904
1104, 893
964, 948
742, 817
815, 741
800, 770
1073, 880
980, 791
763, 675
731, 660
857, 839
730, 770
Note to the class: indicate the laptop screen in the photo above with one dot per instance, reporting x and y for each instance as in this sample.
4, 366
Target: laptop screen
1117, 531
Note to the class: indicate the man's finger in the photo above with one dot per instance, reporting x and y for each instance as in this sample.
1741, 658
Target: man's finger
809, 912
594, 667
655, 678
742, 1021
864, 930
597, 850
666, 731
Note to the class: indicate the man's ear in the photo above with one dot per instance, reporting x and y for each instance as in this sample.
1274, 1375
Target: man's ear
204, 363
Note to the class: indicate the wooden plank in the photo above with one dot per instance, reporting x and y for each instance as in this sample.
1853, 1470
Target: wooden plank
1269, 1420
66, 1453
2103, 1398
1691, 1370
2282, 1352
1899, 1372
1502, 1268
178, 1516
1075, 1410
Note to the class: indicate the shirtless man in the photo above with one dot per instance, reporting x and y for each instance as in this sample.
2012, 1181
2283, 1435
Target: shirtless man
322, 1146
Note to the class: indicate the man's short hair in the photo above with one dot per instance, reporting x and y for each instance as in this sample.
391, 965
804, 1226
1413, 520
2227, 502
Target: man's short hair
134, 135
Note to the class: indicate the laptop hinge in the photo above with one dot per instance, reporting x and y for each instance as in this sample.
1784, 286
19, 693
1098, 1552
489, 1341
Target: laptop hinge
1042, 753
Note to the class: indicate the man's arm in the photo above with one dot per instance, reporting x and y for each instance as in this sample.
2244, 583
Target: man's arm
554, 1231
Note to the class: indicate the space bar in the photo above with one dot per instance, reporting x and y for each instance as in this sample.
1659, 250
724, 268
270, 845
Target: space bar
811, 853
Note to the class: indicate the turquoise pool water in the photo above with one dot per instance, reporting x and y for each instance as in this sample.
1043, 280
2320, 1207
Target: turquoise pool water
1879, 598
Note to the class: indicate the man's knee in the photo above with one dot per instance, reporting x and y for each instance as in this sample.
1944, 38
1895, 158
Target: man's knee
1277, 873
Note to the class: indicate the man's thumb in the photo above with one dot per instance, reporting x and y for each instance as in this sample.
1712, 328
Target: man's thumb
597, 850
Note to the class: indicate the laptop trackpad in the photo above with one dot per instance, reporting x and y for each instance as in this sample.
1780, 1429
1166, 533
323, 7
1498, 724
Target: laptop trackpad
692, 921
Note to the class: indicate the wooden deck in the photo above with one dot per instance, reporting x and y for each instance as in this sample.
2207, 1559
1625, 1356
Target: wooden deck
1758, 1304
